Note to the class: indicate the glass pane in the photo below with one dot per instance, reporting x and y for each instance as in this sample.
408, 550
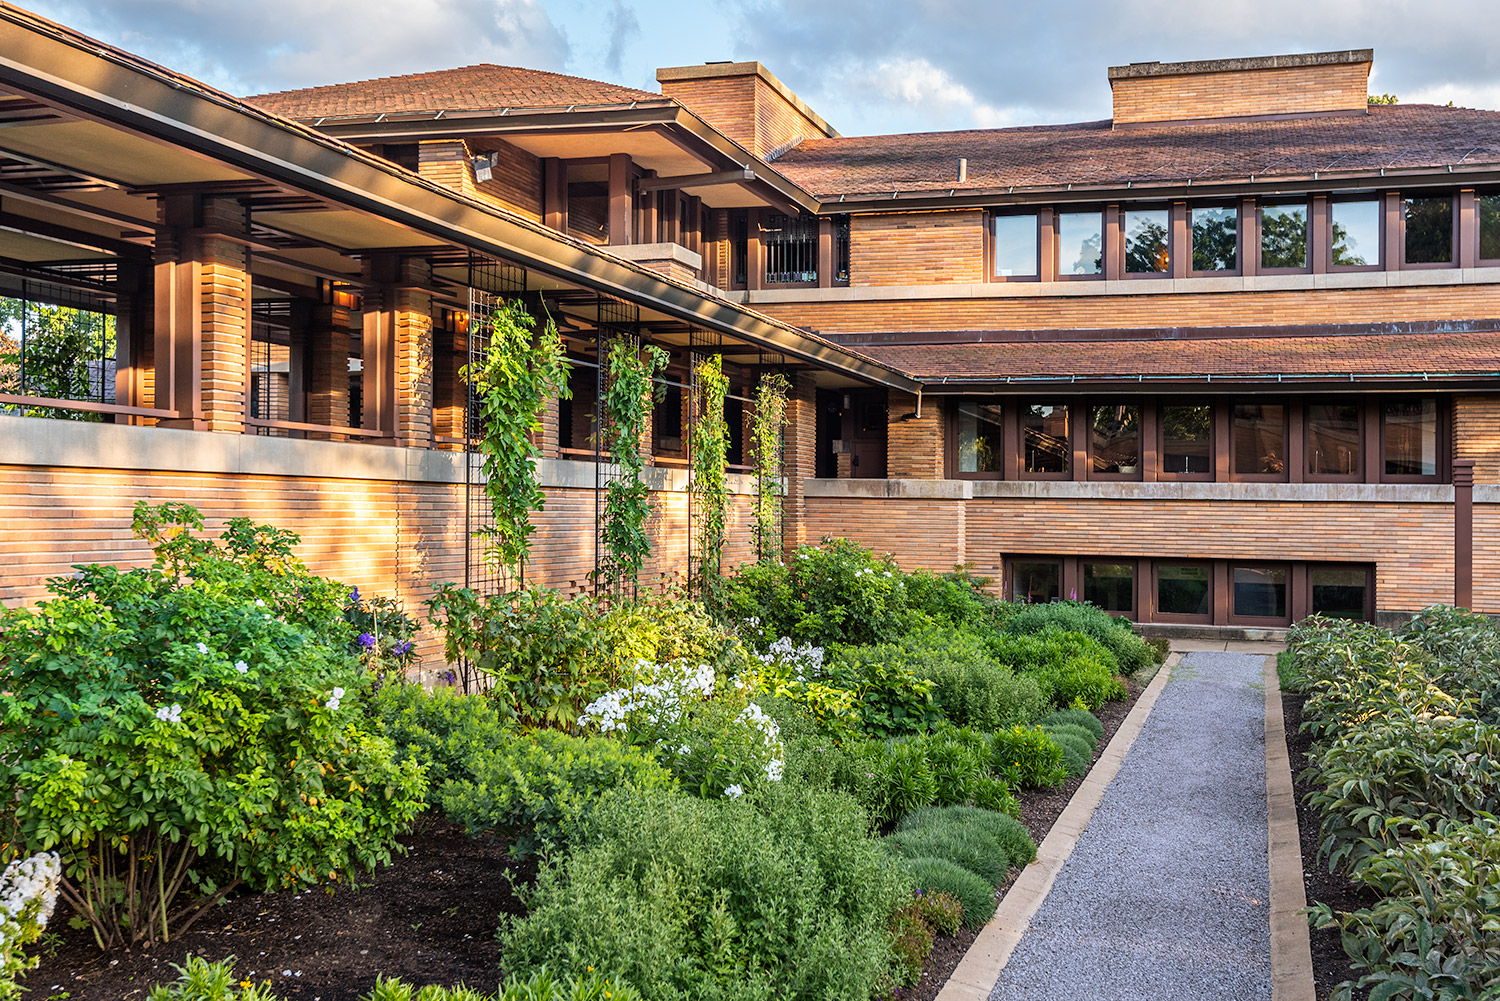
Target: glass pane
1429, 231
1489, 227
1111, 586
1283, 236
1215, 231
588, 202
1411, 437
1046, 447
978, 438
1333, 439
1259, 592
1015, 246
1339, 593
1182, 590
1035, 581
1259, 438
1080, 243
1187, 442
1115, 439
1146, 241
1356, 232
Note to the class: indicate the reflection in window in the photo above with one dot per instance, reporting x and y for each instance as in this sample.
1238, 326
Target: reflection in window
1429, 230
1111, 586
1045, 445
1146, 241
1283, 236
1356, 232
1182, 589
1339, 592
1187, 442
1035, 581
1259, 439
1115, 439
978, 438
1259, 592
1215, 239
1489, 227
1015, 246
1080, 243
588, 202
1411, 437
1333, 439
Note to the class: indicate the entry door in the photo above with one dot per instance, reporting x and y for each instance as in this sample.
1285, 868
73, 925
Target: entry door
864, 433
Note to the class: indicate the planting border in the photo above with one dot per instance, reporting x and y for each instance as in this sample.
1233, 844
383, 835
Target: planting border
1291, 943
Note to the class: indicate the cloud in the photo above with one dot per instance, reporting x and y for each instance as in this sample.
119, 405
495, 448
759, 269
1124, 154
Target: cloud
927, 91
620, 26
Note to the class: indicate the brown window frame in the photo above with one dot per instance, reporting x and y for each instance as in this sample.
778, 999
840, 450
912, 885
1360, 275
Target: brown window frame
1161, 441
760, 220
1234, 619
1302, 576
1008, 576
1359, 474
1087, 431
1044, 243
1016, 414
1125, 211
1134, 611
950, 446
1260, 228
1383, 230
1105, 250
1483, 262
1239, 240
1453, 226
1444, 442
1157, 615
1287, 432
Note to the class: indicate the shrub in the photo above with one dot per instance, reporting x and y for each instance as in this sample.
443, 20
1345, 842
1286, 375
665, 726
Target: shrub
974, 893
1069, 729
956, 598
967, 845
777, 895
911, 941
1130, 651
1071, 668
1007, 831
543, 785
835, 592
1076, 717
193, 726
942, 911
1027, 756
445, 730
1078, 753
969, 688
889, 698
28, 893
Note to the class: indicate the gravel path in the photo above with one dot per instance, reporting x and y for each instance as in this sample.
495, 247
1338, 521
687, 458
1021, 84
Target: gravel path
1165, 896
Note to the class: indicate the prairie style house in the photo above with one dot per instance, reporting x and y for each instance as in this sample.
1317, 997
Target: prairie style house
1227, 358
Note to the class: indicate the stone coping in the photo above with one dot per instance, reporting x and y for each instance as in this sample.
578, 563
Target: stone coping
957, 490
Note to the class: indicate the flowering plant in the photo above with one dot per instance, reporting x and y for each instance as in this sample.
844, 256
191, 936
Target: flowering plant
386, 642
28, 892
797, 673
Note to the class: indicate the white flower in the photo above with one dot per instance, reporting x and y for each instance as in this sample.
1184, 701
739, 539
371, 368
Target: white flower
28, 892
684, 749
260, 603
338, 692
774, 768
203, 648
241, 666
734, 792
170, 714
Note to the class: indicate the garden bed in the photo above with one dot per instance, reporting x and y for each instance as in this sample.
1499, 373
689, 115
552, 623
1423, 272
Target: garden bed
428, 918
1040, 809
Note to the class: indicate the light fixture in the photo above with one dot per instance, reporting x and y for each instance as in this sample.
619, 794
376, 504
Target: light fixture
484, 166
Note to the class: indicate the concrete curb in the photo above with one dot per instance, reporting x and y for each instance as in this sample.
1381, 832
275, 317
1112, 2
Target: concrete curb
1291, 947
976, 974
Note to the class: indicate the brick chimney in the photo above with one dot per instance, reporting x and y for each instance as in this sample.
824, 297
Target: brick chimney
746, 103
1310, 83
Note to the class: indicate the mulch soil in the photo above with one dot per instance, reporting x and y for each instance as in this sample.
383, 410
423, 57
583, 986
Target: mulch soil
429, 918
1330, 963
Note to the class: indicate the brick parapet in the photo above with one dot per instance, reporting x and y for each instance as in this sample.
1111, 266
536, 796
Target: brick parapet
936, 248
914, 442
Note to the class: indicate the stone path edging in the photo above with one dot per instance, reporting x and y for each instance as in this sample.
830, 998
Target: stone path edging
974, 978
1291, 949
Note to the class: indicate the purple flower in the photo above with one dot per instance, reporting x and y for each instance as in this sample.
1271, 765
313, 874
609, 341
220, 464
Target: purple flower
402, 649
450, 677
354, 596
366, 640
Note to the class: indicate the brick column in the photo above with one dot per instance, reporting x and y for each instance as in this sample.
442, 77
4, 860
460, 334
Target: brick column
914, 447
226, 297
397, 350
327, 365
1463, 533
799, 457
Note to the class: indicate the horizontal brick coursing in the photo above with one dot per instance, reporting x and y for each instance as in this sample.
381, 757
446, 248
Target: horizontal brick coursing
913, 444
1476, 435
916, 248
1281, 90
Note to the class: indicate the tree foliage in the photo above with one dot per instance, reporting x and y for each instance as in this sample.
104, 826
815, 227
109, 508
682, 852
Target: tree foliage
60, 342
710, 448
765, 445
627, 501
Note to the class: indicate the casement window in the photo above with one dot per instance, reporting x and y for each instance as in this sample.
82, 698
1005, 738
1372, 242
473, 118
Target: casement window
1334, 443
1489, 228
1114, 441
1046, 441
1258, 594
1411, 440
1284, 237
1080, 244
1258, 442
739, 249
978, 430
841, 249
1036, 580
1427, 231
1016, 245
1341, 592
1215, 235
1111, 586
1186, 444
1354, 234
791, 249
1147, 241
1185, 591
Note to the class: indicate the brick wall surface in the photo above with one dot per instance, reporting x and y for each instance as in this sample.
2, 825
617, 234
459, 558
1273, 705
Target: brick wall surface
916, 248
225, 296
1273, 91
515, 182
747, 109
913, 445
1476, 435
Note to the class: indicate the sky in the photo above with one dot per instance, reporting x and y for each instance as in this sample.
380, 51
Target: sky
869, 67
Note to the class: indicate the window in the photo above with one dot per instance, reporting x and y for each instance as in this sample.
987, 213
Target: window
1146, 247
1033, 581
841, 248
666, 422
1283, 236
1333, 440
1489, 227
1015, 239
1410, 436
791, 245
739, 256
1258, 592
1429, 230
1115, 439
1258, 440
588, 201
1339, 592
1356, 233
1111, 586
1183, 589
978, 438
1045, 445
1187, 439
1080, 243
1215, 238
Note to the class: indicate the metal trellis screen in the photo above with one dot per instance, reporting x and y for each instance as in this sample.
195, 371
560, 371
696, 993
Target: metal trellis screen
271, 365
617, 320
57, 343
791, 249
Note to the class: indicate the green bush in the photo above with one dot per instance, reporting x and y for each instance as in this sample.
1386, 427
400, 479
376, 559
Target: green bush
911, 941
969, 687
776, 895
1007, 831
1076, 717
541, 786
943, 912
1130, 651
1028, 757
183, 729
1081, 732
937, 875
1078, 753
442, 729
962, 844
890, 698
1071, 668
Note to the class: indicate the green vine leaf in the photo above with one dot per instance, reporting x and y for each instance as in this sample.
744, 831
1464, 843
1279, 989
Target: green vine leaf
628, 398
710, 490
765, 450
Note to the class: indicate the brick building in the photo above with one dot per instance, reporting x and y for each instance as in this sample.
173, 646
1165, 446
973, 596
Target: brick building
1217, 360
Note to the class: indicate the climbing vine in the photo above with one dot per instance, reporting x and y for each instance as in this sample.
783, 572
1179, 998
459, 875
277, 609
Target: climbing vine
710, 491
627, 501
765, 451
519, 371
